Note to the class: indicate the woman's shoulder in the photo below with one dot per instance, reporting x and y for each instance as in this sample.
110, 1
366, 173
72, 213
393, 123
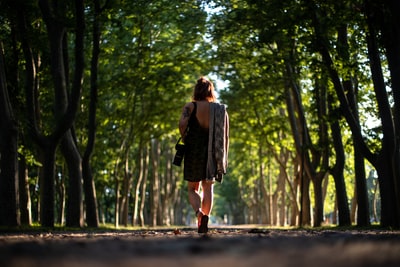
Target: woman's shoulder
189, 105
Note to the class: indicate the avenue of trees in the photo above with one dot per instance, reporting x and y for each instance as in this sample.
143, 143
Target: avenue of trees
91, 93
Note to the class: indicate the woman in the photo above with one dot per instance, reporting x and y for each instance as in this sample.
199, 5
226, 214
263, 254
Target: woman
194, 129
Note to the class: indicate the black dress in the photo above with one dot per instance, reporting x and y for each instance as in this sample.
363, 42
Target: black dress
196, 142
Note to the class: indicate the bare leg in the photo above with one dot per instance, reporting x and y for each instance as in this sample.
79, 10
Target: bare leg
208, 197
194, 195
202, 204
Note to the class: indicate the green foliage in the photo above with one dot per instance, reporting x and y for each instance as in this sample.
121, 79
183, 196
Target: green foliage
152, 52
252, 40
151, 55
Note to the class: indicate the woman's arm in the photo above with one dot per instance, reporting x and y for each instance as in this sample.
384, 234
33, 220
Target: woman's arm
184, 120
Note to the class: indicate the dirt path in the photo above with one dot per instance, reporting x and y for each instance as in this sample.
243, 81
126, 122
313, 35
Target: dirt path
231, 247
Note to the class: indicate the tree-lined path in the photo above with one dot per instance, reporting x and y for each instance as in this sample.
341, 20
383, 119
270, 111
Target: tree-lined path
91, 92
224, 246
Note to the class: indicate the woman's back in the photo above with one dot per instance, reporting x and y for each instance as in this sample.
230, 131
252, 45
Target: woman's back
203, 113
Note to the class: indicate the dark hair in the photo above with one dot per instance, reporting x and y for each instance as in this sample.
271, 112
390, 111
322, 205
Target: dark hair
204, 90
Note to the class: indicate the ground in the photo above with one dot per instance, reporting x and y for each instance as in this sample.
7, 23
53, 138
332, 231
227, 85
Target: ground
223, 246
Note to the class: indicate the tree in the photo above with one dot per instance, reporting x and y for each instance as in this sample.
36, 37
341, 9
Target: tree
92, 216
8, 154
382, 160
255, 102
65, 108
148, 64
297, 78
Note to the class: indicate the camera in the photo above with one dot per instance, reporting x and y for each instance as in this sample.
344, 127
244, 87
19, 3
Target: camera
180, 152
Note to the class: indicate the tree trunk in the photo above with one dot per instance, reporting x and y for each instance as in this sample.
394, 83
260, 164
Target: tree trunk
388, 203
47, 186
73, 159
174, 191
390, 28
69, 149
351, 92
305, 213
281, 189
139, 163
24, 193
303, 142
117, 200
92, 216
363, 218
385, 164
168, 185
265, 202
155, 183
144, 186
318, 199
320, 155
337, 173
65, 109
390, 212
269, 198
61, 193
294, 189
8, 154
126, 190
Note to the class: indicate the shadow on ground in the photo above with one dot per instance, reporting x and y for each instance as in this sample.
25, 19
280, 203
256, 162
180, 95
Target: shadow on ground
231, 247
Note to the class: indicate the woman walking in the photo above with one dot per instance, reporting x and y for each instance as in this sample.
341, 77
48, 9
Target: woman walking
204, 128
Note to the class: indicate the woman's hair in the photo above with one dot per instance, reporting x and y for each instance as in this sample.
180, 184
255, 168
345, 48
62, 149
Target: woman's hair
204, 90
